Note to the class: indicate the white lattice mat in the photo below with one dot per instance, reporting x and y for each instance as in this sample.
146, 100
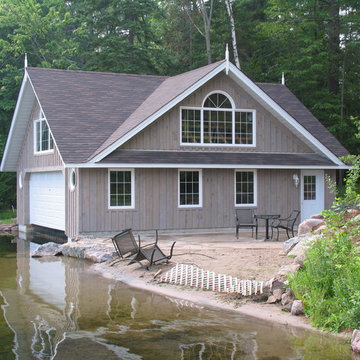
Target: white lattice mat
193, 276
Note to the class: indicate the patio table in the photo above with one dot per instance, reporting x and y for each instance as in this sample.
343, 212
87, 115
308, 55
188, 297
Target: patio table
267, 217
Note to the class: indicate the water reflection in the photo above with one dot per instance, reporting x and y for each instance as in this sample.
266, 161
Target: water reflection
56, 308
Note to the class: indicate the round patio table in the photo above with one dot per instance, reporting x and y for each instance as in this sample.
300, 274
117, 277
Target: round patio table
267, 217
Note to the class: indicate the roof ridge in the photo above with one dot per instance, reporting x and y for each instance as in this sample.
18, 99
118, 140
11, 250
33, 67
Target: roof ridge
269, 83
196, 69
97, 72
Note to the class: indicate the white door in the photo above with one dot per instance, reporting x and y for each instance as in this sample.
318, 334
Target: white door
47, 199
312, 193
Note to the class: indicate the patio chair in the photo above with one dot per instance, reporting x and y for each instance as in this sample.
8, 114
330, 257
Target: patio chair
126, 246
245, 218
286, 224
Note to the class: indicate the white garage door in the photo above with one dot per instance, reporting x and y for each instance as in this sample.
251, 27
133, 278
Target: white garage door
47, 199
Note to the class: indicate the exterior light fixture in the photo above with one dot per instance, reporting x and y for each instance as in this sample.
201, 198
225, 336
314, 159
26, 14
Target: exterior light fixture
296, 180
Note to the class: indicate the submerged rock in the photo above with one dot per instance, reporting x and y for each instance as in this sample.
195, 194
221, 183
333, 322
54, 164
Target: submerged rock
48, 249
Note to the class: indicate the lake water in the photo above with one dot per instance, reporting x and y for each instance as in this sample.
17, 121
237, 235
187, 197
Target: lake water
58, 309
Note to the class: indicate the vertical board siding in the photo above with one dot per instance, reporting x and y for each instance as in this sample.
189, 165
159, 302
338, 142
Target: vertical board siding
156, 200
27, 161
71, 204
271, 135
329, 196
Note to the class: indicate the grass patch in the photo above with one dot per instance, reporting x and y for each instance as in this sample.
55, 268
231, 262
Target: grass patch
6, 216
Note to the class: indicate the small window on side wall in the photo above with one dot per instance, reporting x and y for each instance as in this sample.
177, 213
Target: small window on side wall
43, 139
190, 188
245, 188
121, 189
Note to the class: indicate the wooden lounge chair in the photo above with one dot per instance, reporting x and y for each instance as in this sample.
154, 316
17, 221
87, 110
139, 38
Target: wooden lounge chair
245, 218
286, 224
126, 246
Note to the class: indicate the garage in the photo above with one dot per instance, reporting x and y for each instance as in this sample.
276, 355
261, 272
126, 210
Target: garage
47, 199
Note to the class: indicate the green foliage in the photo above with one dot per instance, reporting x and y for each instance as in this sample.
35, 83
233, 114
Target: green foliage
350, 197
6, 216
329, 283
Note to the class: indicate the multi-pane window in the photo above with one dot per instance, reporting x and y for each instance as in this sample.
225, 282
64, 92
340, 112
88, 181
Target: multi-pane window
191, 132
245, 188
121, 188
43, 138
217, 122
309, 187
190, 188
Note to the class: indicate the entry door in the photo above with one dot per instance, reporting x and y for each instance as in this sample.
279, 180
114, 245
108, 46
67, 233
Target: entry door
312, 193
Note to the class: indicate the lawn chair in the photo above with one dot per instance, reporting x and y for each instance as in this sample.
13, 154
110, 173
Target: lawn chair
126, 246
285, 224
245, 218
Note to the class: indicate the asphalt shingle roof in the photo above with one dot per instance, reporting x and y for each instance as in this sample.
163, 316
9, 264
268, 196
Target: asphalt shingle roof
89, 111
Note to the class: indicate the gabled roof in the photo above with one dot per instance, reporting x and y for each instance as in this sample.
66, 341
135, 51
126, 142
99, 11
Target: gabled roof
293, 106
90, 114
84, 108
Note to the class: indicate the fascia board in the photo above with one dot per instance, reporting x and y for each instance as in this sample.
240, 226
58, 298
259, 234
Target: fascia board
159, 113
267, 100
202, 166
37, 98
14, 122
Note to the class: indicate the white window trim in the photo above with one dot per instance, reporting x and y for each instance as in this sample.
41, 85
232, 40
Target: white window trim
132, 206
200, 190
254, 171
40, 119
233, 111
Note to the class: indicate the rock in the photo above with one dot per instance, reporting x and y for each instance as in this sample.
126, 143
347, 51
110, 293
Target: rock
277, 293
271, 299
297, 308
300, 248
289, 244
288, 297
299, 260
48, 249
317, 216
286, 269
354, 212
319, 229
308, 225
355, 341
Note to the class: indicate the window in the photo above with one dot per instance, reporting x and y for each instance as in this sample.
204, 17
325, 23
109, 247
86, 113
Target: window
245, 188
43, 138
217, 122
309, 187
121, 189
190, 183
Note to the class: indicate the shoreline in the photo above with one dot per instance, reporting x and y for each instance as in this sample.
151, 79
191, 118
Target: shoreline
271, 313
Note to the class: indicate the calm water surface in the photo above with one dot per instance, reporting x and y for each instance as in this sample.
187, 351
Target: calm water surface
58, 309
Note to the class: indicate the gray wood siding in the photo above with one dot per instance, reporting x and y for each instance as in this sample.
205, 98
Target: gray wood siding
271, 135
156, 202
28, 160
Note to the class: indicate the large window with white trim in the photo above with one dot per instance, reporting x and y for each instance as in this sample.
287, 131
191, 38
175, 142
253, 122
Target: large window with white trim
190, 188
217, 122
121, 189
43, 139
245, 187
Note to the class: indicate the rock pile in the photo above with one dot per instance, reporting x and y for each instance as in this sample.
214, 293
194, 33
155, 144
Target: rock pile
83, 249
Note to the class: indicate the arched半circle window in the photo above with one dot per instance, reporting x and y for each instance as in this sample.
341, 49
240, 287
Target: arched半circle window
72, 180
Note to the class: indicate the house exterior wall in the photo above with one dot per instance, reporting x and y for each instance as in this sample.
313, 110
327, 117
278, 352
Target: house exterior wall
329, 197
271, 135
29, 162
72, 204
156, 200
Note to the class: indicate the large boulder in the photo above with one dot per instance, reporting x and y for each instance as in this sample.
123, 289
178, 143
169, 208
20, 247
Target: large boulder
309, 225
289, 244
48, 249
301, 247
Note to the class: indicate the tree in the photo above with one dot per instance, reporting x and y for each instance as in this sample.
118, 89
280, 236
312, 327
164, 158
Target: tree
229, 9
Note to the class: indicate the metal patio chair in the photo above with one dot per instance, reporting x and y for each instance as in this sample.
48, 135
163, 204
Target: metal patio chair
286, 224
126, 246
245, 218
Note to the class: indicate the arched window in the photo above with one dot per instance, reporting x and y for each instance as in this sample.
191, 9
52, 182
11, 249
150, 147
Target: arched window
217, 122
